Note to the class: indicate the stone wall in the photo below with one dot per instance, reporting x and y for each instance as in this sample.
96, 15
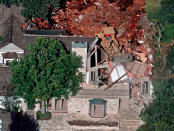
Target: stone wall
6, 119
81, 106
17, 32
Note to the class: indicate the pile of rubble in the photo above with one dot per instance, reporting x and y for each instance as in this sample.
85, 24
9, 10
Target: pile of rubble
112, 50
87, 17
111, 62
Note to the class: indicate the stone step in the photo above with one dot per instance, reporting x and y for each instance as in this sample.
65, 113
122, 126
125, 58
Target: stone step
127, 129
131, 121
129, 125
55, 124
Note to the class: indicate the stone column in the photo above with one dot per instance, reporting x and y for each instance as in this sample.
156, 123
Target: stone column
53, 104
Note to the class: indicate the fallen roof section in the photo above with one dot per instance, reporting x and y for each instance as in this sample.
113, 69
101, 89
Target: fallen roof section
137, 69
108, 30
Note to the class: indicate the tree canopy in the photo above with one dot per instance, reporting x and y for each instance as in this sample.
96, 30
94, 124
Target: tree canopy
47, 71
158, 115
35, 8
1, 38
162, 11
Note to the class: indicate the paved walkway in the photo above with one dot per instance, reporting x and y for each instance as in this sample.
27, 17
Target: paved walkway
56, 123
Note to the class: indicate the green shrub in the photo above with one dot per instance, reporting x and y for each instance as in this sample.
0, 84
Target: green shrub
45, 116
1, 38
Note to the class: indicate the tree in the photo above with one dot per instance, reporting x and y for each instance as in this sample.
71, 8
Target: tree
162, 12
35, 8
158, 114
1, 38
48, 71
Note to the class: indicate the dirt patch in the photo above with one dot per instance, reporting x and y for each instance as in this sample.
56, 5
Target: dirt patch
92, 123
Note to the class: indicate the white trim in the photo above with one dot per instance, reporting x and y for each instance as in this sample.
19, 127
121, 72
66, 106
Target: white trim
11, 48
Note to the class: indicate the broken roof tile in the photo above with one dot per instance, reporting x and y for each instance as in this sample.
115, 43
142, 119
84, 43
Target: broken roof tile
137, 68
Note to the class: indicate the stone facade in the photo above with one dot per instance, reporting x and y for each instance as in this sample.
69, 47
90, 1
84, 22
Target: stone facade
81, 106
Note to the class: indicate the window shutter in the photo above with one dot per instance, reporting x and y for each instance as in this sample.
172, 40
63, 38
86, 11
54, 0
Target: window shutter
61, 105
64, 105
99, 111
57, 106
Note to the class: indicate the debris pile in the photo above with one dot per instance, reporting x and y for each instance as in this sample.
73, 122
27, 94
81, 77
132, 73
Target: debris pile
87, 17
116, 62
117, 24
108, 41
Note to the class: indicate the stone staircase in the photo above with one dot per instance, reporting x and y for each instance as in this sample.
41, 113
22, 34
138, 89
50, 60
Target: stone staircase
129, 125
56, 123
129, 119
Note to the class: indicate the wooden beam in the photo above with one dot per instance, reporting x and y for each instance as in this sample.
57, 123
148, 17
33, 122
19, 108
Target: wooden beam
102, 61
96, 59
88, 63
110, 85
93, 52
98, 67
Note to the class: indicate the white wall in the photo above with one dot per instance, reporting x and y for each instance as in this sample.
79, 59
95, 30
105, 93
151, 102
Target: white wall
23, 105
1, 59
83, 53
151, 88
112, 106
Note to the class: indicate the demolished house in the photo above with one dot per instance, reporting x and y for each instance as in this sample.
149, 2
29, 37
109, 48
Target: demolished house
109, 82
116, 75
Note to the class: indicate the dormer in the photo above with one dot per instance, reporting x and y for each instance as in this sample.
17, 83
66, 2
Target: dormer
10, 52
